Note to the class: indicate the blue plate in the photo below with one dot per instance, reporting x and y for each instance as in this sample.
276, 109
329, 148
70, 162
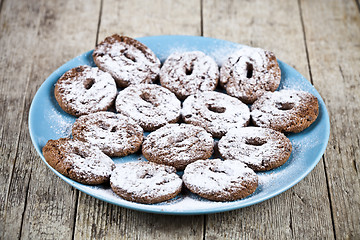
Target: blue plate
48, 121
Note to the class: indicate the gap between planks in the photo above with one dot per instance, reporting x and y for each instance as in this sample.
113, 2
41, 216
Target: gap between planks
357, 4
1, 4
99, 23
311, 80
16, 154
25, 205
305, 43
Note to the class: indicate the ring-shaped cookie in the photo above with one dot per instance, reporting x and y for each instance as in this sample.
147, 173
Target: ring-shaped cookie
219, 180
150, 105
285, 110
127, 60
145, 182
84, 89
78, 160
261, 149
216, 112
249, 73
178, 145
187, 73
115, 134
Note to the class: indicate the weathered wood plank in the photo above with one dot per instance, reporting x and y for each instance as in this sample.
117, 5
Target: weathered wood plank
17, 39
100, 220
149, 18
332, 31
302, 212
36, 41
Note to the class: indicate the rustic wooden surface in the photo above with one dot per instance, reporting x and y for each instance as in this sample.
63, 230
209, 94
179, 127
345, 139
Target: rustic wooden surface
321, 39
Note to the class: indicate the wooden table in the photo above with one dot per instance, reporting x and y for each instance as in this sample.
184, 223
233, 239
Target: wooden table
321, 39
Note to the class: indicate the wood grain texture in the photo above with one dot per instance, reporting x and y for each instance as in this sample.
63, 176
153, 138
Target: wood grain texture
100, 220
332, 31
273, 25
318, 38
149, 18
17, 39
37, 204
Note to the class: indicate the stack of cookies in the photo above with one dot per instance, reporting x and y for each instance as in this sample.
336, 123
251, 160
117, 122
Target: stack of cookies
185, 103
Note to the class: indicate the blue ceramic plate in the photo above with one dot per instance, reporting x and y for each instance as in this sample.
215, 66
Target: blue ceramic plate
48, 121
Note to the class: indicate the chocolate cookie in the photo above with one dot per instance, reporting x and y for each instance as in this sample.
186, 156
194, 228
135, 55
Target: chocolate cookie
150, 105
127, 60
285, 110
145, 182
115, 134
216, 112
219, 180
261, 149
84, 89
178, 145
249, 73
78, 160
188, 73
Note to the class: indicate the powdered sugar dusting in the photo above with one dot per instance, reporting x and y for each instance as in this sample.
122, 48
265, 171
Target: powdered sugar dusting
145, 179
279, 108
60, 124
189, 72
250, 72
255, 146
222, 52
90, 90
88, 160
178, 145
114, 134
127, 63
216, 112
150, 105
188, 202
217, 177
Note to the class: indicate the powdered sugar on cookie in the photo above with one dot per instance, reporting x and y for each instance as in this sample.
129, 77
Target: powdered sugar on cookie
78, 160
89, 160
216, 112
178, 145
127, 60
150, 105
249, 73
260, 148
188, 73
145, 182
219, 180
285, 110
84, 90
115, 134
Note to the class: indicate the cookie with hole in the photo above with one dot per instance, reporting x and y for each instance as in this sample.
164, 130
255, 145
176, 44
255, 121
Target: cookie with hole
150, 105
84, 89
186, 73
78, 160
250, 72
216, 112
115, 134
178, 145
286, 110
145, 182
219, 180
261, 149
127, 60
